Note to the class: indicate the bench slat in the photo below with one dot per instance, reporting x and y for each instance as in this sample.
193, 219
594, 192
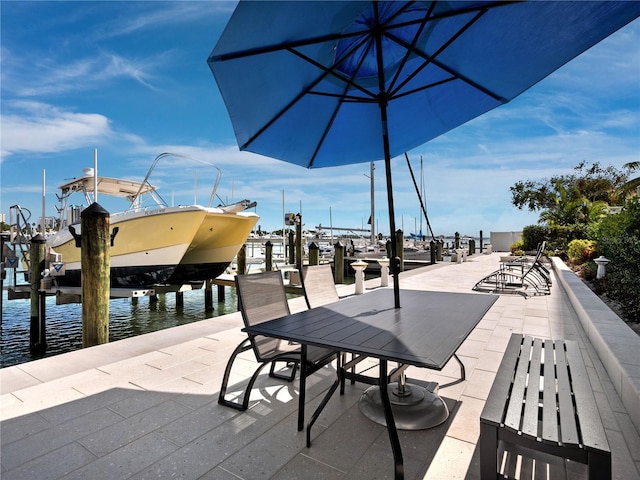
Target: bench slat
531, 407
568, 427
593, 434
550, 405
532, 373
514, 410
494, 408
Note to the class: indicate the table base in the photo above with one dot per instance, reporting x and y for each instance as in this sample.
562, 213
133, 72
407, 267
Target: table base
417, 410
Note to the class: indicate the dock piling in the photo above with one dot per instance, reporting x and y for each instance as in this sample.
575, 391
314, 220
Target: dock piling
338, 262
314, 254
37, 331
268, 256
95, 259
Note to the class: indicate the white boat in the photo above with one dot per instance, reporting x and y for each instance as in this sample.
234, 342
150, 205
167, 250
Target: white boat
153, 243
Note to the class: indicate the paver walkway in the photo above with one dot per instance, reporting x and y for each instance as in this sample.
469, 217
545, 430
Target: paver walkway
146, 407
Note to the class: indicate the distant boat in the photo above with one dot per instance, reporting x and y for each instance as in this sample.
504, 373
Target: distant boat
154, 244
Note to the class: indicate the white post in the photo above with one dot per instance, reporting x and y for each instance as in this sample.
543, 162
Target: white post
602, 263
384, 271
359, 266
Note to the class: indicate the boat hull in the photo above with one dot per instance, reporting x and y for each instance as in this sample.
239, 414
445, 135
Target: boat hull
149, 246
214, 246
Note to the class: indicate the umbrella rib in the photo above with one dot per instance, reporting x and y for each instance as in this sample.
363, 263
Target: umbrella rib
424, 87
346, 97
433, 59
284, 46
325, 72
339, 104
416, 37
282, 111
331, 71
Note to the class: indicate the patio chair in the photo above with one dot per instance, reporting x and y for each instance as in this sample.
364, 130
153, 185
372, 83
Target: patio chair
319, 286
511, 280
261, 297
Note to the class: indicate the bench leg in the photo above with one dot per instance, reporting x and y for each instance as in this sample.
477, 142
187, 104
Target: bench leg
599, 466
488, 452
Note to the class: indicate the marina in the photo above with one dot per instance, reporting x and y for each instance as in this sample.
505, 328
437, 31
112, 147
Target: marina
147, 406
140, 310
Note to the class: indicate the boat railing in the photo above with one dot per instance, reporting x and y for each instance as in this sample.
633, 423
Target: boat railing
136, 198
20, 231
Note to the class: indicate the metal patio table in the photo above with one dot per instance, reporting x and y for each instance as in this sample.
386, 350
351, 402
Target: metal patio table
425, 332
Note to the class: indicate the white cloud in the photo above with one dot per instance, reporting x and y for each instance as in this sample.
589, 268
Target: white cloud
38, 127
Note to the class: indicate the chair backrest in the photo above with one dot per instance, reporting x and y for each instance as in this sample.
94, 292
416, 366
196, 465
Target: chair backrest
319, 287
540, 252
261, 297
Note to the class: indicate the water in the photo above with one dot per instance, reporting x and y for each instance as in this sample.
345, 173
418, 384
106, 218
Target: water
127, 318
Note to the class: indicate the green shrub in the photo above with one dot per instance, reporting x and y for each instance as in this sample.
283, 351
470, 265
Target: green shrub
589, 270
532, 236
618, 238
516, 248
581, 251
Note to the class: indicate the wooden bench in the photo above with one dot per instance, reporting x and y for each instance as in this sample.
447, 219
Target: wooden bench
541, 416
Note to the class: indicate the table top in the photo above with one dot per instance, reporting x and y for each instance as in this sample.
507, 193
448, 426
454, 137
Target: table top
425, 331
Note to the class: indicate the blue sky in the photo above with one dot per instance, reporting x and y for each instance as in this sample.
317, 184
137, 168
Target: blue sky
130, 79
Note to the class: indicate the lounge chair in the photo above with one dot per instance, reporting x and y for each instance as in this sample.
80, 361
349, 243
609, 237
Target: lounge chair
518, 277
261, 297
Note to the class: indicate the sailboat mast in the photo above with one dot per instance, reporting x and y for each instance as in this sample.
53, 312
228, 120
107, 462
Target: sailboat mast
95, 175
373, 209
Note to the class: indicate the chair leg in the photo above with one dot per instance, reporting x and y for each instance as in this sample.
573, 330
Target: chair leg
242, 347
288, 378
241, 406
462, 374
303, 386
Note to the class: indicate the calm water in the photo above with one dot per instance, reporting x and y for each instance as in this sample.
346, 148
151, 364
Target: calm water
127, 318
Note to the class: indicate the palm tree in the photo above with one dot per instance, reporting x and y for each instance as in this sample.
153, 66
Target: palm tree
568, 207
633, 184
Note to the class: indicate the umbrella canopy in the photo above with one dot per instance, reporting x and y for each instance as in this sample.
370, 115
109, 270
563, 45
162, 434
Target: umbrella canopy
323, 84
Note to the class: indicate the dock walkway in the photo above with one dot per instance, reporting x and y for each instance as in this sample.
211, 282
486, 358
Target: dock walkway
146, 407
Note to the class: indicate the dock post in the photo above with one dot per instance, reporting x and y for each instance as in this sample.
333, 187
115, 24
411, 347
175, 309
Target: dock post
400, 247
338, 262
242, 260
314, 254
268, 256
472, 246
95, 260
292, 252
4, 236
37, 336
179, 299
456, 239
208, 295
299, 251
439, 247
481, 242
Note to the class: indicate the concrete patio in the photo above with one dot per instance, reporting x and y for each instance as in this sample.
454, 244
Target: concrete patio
146, 407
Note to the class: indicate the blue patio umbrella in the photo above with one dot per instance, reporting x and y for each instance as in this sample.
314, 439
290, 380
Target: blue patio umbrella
321, 84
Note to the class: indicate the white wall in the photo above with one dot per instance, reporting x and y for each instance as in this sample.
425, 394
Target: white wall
501, 241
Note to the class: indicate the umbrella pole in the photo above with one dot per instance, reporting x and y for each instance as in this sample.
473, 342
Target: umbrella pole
395, 260
383, 98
